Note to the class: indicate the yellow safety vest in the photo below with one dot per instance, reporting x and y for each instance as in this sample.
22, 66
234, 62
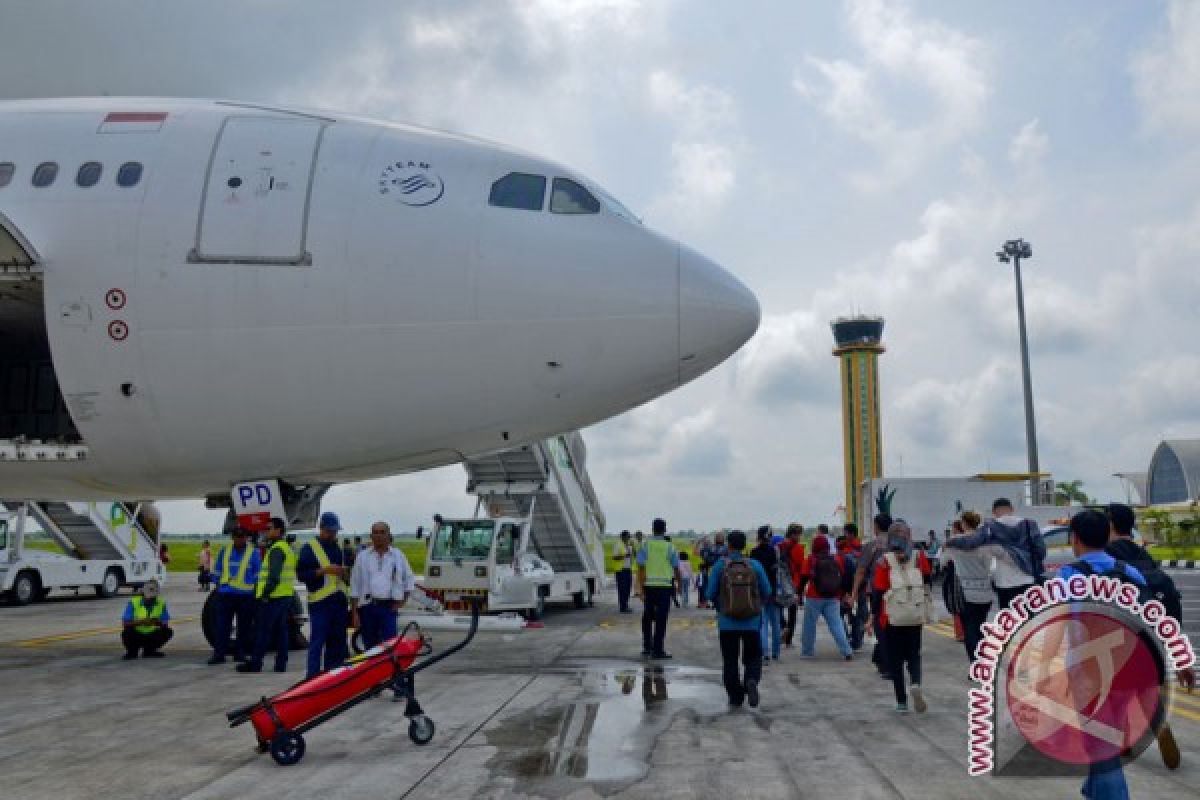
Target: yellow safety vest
287, 578
227, 577
141, 612
659, 571
332, 583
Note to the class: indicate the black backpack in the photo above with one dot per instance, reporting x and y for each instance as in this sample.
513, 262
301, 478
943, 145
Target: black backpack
1162, 587
827, 577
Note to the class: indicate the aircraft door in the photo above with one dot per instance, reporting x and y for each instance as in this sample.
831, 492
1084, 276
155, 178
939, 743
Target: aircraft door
256, 197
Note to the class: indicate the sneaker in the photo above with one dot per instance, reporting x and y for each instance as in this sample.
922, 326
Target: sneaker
661, 656
901, 708
918, 698
849, 657
214, 661
646, 654
249, 667
129, 656
752, 693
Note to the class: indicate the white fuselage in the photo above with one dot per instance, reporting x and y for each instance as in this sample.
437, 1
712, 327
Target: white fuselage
323, 299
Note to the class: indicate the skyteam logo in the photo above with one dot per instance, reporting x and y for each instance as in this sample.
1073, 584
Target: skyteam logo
412, 183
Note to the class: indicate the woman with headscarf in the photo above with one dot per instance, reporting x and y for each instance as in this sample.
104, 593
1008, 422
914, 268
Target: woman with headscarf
902, 575
824, 578
973, 575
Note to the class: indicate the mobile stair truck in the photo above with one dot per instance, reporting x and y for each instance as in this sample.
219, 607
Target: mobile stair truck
540, 539
103, 547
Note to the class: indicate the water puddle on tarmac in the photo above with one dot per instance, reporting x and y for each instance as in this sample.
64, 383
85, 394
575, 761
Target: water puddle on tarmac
608, 732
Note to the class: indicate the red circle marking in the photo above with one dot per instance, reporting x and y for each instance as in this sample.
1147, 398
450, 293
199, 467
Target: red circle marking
1117, 707
118, 330
115, 299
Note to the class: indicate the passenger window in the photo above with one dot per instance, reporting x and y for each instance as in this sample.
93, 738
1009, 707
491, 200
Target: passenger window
129, 174
45, 174
568, 197
519, 190
89, 174
6, 173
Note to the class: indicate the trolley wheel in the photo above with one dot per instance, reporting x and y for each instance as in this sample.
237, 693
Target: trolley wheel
287, 748
420, 730
356, 643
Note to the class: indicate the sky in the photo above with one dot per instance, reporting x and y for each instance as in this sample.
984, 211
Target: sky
839, 157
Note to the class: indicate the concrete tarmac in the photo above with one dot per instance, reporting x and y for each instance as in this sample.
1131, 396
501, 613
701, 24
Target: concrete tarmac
566, 711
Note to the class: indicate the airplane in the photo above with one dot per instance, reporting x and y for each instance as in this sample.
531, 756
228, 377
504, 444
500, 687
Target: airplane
195, 293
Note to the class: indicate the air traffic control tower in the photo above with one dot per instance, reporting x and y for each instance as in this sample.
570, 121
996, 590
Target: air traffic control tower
859, 343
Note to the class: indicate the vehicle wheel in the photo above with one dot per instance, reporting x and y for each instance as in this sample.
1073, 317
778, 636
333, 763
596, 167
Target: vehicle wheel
26, 588
581, 599
356, 643
420, 730
287, 748
208, 619
111, 583
536, 613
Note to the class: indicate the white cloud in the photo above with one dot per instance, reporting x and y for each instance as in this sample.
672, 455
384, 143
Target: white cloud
1029, 146
787, 362
1167, 72
909, 67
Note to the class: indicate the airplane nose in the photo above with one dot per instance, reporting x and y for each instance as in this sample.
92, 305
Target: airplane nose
717, 314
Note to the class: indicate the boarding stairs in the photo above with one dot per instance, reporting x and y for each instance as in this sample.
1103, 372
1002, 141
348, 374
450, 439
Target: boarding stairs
542, 477
89, 535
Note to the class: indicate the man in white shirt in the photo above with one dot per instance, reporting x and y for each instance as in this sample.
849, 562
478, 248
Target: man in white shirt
379, 587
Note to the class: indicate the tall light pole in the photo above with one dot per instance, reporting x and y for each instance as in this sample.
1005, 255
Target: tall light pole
1014, 250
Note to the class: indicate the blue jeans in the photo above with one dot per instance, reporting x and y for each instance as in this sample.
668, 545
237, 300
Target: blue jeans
329, 620
1106, 781
770, 633
271, 625
860, 622
377, 623
830, 609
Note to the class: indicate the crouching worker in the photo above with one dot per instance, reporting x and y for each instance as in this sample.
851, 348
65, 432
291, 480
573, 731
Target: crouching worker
739, 589
146, 621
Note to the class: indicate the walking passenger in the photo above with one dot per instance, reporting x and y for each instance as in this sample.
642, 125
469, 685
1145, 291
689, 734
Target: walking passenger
901, 577
685, 577
380, 586
973, 574
623, 555
738, 588
274, 591
864, 585
658, 570
856, 609
823, 573
236, 568
204, 566
791, 553
145, 625
1022, 554
322, 567
764, 553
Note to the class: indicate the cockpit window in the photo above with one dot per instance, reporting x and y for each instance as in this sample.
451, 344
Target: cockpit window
616, 207
568, 197
519, 190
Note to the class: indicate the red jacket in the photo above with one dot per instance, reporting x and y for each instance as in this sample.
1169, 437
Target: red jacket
793, 555
809, 563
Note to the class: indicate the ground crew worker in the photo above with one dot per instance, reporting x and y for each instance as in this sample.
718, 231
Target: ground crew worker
379, 587
321, 565
145, 624
274, 592
236, 566
623, 555
658, 569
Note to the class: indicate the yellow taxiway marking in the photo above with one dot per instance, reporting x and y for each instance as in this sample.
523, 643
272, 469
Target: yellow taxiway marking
64, 637
1183, 712
1186, 699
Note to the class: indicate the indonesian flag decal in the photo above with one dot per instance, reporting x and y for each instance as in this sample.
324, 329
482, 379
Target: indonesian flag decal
133, 122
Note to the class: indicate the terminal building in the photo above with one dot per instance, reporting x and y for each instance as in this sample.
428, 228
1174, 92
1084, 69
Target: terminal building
1174, 474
